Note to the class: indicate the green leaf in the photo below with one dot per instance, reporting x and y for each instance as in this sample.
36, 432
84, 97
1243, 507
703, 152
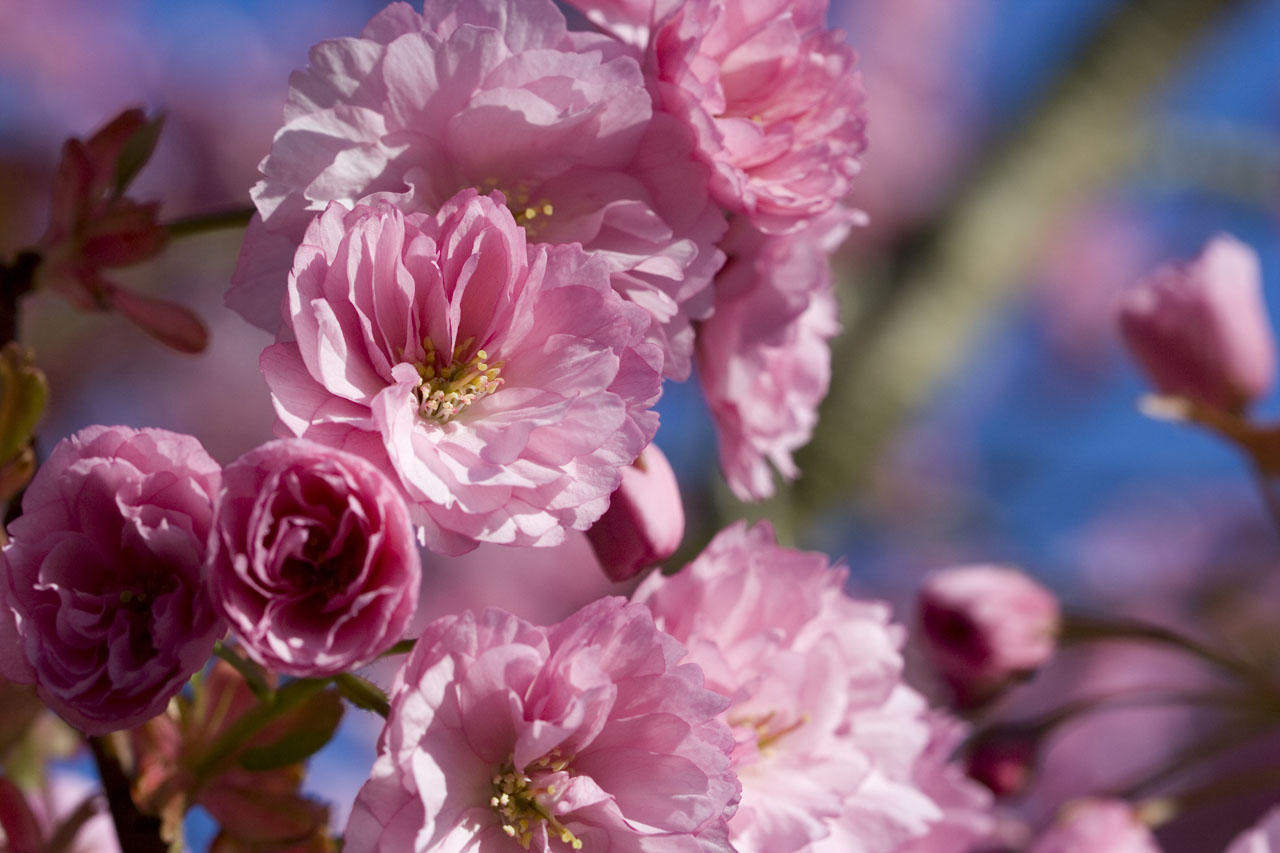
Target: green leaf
306, 728
23, 393
135, 154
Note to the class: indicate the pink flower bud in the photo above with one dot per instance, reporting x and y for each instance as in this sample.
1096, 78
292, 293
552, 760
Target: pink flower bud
1003, 758
984, 626
1096, 825
645, 520
1199, 330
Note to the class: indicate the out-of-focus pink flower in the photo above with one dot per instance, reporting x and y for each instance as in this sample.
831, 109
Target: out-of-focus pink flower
983, 626
1096, 826
93, 226
771, 94
763, 356
313, 563
925, 118
645, 520
1263, 838
828, 736
1088, 262
966, 820
105, 603
30, 822
503, 387
589, 734
1200, 330
477, 93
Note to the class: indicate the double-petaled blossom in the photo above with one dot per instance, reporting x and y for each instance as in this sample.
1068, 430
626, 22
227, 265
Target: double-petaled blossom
645, 520
828, 735
764, 357
502, 386
1200, 329
967, 823
105, 607
313, 562
985, 626
493, 95
769, 91
590, 734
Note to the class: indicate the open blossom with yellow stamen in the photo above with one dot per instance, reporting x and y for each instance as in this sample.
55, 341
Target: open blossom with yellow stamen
591, 734
496, 97
502, 386
827, 736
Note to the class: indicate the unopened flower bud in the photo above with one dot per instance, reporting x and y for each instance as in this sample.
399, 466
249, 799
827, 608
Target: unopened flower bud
1003, 758
645, 520
986, 626
1199, 330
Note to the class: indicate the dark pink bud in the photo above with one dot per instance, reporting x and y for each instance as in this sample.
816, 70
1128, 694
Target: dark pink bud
1199, 330
985, 626
645, 520
1003, 758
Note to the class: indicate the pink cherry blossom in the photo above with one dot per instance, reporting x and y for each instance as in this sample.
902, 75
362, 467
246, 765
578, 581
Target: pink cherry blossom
493, 95
967, 822
1200, 329
763, 356
645, 520
770, 93
585, 735
828, 736
105, 604
983, 626
503, 387
313, 562
1263, 838
1096, 825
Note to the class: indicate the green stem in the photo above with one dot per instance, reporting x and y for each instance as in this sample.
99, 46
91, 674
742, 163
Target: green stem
363, 693
224, 749
1192, 754
1238, 784
1076, 629
205, 222
251, 672
401, 648
1136, 698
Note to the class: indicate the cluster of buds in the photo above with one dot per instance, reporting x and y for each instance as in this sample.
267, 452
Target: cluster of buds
94, 226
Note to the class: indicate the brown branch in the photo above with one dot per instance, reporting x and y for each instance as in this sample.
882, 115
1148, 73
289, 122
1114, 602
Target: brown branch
138, 832
16, 280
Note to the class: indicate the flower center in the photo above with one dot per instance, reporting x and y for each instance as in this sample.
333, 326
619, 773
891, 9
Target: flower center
516, 798
449, 386
768, 731
529, 213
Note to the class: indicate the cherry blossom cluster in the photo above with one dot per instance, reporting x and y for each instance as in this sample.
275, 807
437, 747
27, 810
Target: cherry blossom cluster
482, 241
